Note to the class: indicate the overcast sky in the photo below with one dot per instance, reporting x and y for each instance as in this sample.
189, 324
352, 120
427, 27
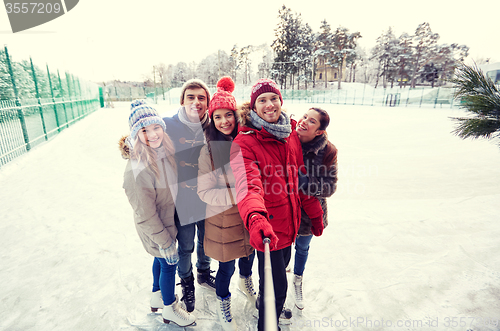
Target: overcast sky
117, 39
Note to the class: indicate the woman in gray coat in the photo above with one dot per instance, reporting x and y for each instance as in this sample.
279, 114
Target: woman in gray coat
150, 185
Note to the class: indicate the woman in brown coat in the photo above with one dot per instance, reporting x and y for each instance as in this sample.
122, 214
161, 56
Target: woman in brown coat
226, 238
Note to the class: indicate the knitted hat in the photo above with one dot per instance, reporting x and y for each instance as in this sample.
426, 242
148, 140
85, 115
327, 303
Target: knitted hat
262, 86
142, 115
223, 99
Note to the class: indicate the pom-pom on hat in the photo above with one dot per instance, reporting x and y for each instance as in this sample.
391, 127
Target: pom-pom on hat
223, 98
142, 115
262, 86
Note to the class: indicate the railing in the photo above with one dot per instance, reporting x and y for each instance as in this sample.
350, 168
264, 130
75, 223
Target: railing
41, 108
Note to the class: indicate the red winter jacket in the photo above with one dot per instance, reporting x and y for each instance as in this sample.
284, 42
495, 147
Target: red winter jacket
266, 173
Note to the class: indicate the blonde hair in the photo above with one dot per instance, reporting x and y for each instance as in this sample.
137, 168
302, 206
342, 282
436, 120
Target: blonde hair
147, 155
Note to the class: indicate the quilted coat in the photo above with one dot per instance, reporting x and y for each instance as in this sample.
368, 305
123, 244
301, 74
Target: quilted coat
226, 237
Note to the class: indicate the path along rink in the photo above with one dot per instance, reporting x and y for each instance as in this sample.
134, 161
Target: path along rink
413, 239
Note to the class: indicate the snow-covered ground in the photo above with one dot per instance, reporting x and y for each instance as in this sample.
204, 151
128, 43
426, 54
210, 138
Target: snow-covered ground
412, 244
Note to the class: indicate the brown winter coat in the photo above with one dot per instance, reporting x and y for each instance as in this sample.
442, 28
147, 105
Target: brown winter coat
152, 202
226, 238
322, 180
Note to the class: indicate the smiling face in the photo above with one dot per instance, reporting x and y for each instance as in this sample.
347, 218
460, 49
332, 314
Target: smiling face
308, 126
268, 107
224, 120
151, 135
196, 103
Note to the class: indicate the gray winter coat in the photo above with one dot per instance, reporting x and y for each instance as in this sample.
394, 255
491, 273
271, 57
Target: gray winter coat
322, 180
152, 202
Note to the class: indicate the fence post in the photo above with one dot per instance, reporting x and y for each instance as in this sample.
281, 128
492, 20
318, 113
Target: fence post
53, 99
437, 96
62, 98
20, 113
69, 95
40, 108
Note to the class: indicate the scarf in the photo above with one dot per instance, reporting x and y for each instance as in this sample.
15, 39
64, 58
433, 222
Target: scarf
194, 126
280, 130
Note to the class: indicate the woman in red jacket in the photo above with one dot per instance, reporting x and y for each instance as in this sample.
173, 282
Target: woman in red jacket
266, 156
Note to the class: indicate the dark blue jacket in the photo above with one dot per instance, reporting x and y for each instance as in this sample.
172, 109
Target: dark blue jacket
189, 207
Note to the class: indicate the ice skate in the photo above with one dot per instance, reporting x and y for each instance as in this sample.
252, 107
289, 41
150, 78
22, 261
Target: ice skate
245, 285
297, 286
156, 301
176, 314
224, 313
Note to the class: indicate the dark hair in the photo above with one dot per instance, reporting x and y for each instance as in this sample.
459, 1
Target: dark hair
330, 150
220, 153
324, 120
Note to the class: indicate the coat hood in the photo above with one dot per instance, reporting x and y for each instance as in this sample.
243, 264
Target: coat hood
124, 147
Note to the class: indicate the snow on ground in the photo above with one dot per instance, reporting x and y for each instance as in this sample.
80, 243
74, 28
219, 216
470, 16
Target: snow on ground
412, 244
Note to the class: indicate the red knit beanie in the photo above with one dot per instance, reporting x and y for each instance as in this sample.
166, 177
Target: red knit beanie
262, 86
223, 99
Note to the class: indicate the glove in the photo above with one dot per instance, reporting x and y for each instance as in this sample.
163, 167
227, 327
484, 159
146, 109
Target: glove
260, 228
317, 226
170, 254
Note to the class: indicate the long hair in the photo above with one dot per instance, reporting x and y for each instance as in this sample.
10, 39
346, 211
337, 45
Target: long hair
330, 151
220, 152
147, 155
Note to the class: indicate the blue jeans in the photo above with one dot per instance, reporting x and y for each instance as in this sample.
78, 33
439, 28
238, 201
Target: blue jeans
226, 271
302, 244
185, 247
164, 280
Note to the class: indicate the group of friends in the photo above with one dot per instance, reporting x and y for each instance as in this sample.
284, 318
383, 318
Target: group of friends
221, 177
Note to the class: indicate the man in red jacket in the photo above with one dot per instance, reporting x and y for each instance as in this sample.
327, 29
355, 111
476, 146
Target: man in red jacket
266, 157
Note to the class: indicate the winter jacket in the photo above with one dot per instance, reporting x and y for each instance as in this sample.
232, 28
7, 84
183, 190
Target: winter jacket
189, 207
322, 180
226, 237
266, 173
152, 202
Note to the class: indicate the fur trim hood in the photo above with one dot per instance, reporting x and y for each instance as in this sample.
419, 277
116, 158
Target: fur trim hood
124, 147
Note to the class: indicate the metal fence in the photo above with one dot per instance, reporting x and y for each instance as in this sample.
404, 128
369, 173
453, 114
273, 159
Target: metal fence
27, 122
350, 94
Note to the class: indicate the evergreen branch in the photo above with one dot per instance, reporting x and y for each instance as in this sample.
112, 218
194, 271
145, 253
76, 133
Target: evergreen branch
480, 96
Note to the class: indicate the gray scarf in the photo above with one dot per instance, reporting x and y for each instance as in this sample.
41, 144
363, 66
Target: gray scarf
280, 130
194, 126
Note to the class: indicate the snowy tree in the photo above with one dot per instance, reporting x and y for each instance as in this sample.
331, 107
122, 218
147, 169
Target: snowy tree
284, 44
481, 97
404, 58
385, 52
324, 47
6, 91
424, 49
448, 58
344, 45
181, 73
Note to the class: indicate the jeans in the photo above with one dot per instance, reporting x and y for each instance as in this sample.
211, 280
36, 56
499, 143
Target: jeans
185, 247
279, 261
226, 271
301, 252
164, 280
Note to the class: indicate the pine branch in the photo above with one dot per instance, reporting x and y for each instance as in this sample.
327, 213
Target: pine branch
481, 97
